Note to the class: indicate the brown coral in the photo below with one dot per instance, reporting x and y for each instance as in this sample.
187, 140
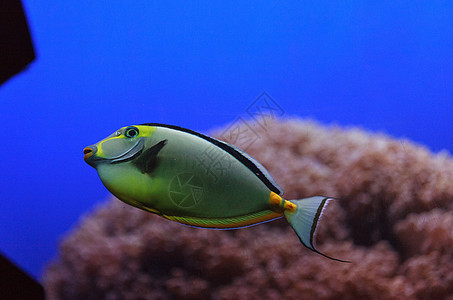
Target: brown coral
393, 221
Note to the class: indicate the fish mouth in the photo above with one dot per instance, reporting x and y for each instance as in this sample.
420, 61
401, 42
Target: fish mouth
134, 151
88, 151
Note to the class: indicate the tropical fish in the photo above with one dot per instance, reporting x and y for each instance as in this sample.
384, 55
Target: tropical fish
197, 180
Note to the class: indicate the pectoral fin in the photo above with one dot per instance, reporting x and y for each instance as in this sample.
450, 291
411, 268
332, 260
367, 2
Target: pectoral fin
148, 160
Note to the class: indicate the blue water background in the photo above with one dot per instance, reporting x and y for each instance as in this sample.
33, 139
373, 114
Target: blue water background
383, 65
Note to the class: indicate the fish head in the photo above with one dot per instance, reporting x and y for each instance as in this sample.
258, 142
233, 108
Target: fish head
123, 145
115, 159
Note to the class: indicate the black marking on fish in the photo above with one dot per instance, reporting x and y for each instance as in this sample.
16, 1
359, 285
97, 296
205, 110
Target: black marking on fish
231, 150
148, 161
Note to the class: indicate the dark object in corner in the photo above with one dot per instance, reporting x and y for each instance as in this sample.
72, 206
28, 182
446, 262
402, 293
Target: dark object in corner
16, 284
16, 48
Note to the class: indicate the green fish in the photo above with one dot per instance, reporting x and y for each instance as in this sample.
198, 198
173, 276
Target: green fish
197, 180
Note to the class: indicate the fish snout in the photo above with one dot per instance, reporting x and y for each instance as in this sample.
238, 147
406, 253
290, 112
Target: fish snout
89, 151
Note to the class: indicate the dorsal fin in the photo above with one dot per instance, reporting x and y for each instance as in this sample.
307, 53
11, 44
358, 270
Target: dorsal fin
239, 154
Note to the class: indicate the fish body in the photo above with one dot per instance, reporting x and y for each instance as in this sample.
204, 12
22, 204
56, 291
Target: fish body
196, 180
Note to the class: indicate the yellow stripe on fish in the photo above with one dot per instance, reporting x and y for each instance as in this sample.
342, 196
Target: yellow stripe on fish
227, 223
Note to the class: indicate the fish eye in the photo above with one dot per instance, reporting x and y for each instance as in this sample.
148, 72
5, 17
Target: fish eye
131, 132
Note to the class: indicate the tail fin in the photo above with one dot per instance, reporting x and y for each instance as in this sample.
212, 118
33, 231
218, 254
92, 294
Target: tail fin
305, 218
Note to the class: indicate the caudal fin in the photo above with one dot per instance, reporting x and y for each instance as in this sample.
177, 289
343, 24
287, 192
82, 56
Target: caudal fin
304, 220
